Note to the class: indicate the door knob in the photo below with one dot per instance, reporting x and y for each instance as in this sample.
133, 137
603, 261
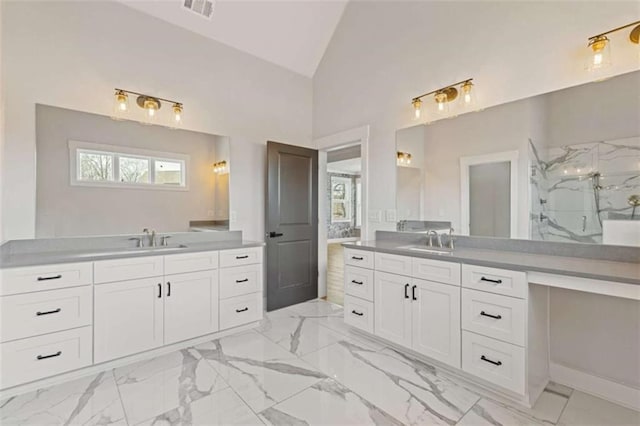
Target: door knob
275, 234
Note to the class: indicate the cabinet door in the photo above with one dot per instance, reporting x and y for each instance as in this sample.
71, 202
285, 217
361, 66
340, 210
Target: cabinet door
436, 321
128, 318
190, 305
392, 308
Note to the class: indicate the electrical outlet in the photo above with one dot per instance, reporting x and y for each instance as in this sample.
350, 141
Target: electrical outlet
375, 216
233, 216
390, 216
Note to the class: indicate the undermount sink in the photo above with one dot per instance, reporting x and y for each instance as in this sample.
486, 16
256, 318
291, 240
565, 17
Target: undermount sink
134, 251
425, 249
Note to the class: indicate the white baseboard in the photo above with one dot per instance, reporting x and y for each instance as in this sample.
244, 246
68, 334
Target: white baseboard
618, 393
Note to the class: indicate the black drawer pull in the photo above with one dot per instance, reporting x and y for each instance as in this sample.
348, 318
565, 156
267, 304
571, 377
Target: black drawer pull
159, 290
54, 277
242, 281
242, 310
357, 258
413, 292
357, 313
55, 311
246, 256
406, 291
490, 361
39, 357
484, 314
490, 280
357, 282
168, 288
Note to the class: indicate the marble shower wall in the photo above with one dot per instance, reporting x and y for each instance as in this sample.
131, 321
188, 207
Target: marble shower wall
575, 187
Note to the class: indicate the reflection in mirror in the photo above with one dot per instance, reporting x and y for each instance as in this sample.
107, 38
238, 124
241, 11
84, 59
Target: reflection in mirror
576, 179
99, 176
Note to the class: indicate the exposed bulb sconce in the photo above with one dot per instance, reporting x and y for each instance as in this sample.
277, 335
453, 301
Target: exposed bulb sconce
150, 104
220, 167
599, 50
403, 158
446, 95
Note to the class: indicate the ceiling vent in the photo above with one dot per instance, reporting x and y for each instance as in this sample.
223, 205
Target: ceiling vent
203, 8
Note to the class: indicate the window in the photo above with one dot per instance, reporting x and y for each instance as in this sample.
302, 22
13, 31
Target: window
123, 167
341, 208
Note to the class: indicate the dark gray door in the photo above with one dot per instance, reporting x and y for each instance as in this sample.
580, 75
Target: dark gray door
291, 225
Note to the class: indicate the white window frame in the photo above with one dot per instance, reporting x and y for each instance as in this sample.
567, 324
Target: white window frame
347, 199
76, 147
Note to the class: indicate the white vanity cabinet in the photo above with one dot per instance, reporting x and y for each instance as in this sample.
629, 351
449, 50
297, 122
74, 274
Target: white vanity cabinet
392, 305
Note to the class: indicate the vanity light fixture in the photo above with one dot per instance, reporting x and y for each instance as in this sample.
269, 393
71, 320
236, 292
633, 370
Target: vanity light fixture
445, 95
599, 51
403, 158
150, 104
220, 167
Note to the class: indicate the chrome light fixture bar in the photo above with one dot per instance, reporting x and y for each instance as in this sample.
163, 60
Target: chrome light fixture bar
599, 55
445, 95
151, 105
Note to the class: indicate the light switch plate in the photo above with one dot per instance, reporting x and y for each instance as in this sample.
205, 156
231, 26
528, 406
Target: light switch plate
390, 216
375, 216
233, 216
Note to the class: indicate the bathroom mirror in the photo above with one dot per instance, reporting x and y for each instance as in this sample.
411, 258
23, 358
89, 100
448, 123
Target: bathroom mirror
562, 166
100, 176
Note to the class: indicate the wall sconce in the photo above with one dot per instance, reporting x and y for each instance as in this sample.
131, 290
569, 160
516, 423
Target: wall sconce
220, 167
403, 158
150, 104
445, 95
599, 52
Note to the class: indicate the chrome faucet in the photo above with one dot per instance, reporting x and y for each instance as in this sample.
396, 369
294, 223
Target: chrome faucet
151, 236
451, 244
430, 235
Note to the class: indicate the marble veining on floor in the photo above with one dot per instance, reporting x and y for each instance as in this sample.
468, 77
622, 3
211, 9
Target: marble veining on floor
301, 366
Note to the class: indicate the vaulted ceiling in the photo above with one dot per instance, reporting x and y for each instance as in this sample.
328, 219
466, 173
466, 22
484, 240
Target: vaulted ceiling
293, 34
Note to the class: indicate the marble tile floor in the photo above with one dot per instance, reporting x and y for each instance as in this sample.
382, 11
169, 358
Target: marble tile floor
301, 366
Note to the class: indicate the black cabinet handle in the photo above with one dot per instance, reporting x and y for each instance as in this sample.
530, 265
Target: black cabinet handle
55, 311
242, 310
159, 290
490, 361
242, 281
406, 291
242, 257
490, 280
484, 314
54, 277
168, 288
273, 234
39, 357
413, 292
357, 313
357, 258
357, 282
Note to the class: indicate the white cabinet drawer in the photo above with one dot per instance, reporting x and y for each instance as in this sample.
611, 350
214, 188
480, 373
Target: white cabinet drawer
361, 258
436, 270
45, 277
358, 313
26, 360
127, 269
493, 315
240, 280
493, 280
240, 310
26, 315
238, 257
497, 362
190, 262
393, 264
358, 282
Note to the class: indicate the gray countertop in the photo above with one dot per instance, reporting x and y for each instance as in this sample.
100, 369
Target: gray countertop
625, 272
8, 260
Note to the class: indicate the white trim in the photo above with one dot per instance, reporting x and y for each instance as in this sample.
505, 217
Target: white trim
97, 368
618, 393
587, 285
351, 137
465, 162
74, 146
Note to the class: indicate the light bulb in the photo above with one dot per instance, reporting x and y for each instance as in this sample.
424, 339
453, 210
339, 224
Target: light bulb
121, 103
599, 55
417, 108
177, 113
441, 101
151, 106
467, 94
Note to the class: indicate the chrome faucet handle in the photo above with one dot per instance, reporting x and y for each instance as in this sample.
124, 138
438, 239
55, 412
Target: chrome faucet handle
451, 243
138, 240
439, 239
152, 238
163, 240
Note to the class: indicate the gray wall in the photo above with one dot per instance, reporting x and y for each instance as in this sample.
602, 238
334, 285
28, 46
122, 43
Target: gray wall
66, 210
